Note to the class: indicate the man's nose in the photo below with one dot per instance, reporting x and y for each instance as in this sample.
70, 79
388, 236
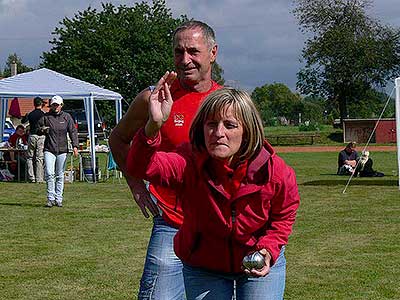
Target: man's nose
186, 58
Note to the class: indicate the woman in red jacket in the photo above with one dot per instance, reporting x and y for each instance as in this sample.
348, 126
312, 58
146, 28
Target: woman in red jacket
238, 197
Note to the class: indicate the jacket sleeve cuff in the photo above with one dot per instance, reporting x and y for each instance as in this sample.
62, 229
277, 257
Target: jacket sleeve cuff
273, 251
149, 141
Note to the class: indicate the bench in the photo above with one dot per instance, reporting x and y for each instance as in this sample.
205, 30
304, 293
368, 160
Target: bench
292, 139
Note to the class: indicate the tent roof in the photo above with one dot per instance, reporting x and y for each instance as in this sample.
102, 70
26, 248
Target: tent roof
47, 83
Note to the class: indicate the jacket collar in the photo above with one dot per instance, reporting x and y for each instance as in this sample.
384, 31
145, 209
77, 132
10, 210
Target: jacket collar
258, 172
255, 172
50, 113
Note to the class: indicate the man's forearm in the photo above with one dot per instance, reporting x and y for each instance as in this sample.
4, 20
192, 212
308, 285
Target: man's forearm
119, 149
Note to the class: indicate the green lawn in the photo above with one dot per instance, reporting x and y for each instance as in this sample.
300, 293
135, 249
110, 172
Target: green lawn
327, 135
344, 246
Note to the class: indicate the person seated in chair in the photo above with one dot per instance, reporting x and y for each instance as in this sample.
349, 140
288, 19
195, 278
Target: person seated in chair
347, 160
19, 141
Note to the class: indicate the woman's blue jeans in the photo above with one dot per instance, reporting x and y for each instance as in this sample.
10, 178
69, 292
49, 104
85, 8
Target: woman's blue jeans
201, 284
162, 277
54, 175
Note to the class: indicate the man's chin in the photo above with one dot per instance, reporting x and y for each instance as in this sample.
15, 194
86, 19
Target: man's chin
187, 76
188, 79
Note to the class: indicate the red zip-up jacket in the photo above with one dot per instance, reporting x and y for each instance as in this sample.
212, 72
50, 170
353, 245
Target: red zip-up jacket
218, 230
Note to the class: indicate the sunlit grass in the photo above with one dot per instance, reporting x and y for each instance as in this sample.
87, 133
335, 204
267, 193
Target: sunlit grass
344, 246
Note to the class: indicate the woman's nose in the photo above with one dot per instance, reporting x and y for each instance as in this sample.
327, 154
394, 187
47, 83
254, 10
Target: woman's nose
219, 131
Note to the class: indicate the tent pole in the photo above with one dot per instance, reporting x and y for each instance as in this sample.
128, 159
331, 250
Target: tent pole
118, 110
89, 109
91, 136
3, 115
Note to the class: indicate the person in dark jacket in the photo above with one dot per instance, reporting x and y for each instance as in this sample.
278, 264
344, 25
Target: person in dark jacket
35, 143
56, 125
238, 197
347, 159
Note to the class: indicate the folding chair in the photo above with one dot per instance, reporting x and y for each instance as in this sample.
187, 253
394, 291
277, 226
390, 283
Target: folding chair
112, 168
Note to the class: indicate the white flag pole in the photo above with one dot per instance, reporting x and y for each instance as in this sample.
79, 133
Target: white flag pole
397, 83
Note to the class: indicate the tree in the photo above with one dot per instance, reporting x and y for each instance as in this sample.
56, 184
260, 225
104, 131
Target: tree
349, 53
312, 110
217, 74
277, 101
21, 68
371, 106
124, 49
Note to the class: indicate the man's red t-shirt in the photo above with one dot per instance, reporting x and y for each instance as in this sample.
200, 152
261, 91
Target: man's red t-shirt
14, 137
174, 132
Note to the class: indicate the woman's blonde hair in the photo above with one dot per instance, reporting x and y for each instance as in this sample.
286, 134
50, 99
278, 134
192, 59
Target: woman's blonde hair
244, 111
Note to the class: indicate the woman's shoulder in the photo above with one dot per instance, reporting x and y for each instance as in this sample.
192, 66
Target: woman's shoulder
281, 170
186, 150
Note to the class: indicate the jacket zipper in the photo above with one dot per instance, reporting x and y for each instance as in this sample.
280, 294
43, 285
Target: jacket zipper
233, 220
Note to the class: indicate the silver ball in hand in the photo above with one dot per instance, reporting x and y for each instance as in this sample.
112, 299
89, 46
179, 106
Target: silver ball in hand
254, 261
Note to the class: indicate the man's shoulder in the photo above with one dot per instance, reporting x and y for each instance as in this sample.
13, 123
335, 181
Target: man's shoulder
36, 112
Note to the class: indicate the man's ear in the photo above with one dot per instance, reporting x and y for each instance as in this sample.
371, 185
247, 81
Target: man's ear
213, 53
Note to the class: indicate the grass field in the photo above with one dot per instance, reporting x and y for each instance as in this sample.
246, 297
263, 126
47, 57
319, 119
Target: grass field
344, 246
327, 135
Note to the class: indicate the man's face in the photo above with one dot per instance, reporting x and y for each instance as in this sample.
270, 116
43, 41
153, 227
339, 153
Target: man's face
193, 57
20, 131
350, 150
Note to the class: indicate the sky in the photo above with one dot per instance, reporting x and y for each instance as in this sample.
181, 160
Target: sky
259, 40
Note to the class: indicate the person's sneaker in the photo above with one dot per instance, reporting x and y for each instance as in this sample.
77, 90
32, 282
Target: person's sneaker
50, 203
59, 204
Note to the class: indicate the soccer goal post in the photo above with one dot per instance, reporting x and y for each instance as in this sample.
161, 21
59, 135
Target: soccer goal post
397, 84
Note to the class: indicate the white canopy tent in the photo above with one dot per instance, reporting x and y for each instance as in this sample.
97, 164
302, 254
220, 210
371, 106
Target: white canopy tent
46, 83
397, 84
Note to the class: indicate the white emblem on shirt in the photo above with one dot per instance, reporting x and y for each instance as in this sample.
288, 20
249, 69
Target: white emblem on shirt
179, 119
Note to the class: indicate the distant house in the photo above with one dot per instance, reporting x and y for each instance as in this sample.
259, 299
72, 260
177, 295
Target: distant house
25, 105
359, 130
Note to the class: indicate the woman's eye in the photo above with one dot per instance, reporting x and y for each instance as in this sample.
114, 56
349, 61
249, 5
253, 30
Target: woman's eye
231, 125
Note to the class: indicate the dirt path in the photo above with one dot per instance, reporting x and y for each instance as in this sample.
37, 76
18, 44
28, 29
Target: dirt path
286, 149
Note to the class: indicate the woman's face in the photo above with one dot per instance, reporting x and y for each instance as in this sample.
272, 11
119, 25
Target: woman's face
223, 135
55, 107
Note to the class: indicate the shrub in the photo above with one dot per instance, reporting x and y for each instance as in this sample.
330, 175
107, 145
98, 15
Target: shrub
309, 126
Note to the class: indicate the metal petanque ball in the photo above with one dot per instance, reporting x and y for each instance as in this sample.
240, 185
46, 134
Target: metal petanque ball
254, 261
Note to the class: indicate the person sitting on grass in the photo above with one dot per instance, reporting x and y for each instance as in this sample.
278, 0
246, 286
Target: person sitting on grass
347, 159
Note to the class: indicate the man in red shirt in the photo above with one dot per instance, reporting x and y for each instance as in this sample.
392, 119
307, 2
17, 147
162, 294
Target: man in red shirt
19, 137
195, 50
18, 140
